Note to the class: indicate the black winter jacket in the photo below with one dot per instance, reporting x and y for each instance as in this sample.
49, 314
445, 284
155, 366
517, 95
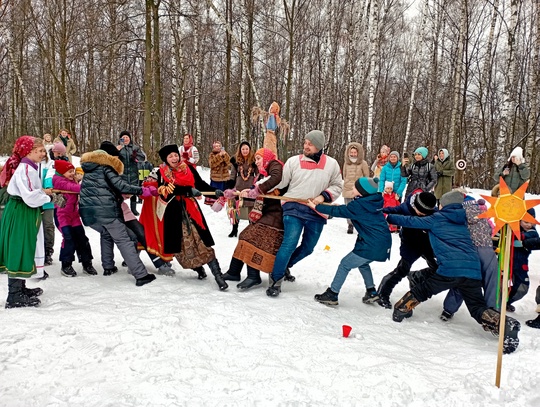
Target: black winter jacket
421, 174
131, 155
102, 188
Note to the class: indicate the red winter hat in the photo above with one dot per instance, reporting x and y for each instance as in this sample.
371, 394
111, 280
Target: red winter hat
61, 166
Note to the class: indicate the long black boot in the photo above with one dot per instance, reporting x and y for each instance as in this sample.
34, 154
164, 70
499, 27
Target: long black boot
234, 270
234, 231
288, 276
253, 279
404, 307
16, 296
216, 271
201, 274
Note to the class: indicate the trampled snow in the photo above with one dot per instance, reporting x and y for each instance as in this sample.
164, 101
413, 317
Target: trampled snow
102, 341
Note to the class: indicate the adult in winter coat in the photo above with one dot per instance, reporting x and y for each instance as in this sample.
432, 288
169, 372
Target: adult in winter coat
310, 175
188, 151
445, 168
243, 176
459, 267
65, 138
185, 231
391, 171
354, 167
260, 240
421, 174
515, 172
219, 162
100, 207
69, 222
130, 155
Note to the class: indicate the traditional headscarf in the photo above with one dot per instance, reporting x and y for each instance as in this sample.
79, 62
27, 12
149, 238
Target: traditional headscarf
190, 142
23, 146
267, 156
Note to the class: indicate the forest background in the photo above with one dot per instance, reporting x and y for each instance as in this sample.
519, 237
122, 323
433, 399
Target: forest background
462, 75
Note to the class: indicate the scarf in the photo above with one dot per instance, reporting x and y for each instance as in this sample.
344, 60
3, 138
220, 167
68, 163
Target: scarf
23, 146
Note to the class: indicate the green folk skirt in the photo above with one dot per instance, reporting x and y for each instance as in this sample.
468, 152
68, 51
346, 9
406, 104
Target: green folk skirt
18, 236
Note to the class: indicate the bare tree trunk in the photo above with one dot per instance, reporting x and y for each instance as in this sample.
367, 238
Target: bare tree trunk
197, 74
157, 119
148, 88
374, 50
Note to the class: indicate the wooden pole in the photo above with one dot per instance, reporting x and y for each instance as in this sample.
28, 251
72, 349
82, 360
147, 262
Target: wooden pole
504, 296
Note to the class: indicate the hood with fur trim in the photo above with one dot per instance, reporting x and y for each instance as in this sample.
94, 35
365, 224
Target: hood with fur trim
360, 150
100, 157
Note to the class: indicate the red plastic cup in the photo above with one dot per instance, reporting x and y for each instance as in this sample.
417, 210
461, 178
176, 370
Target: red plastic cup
346, 331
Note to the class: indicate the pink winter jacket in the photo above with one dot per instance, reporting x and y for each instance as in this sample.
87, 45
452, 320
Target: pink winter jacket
69, 214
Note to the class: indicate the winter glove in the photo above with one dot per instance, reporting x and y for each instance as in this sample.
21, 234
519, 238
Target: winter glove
518, 243
219, 193
229, 193
149, 191
195, 192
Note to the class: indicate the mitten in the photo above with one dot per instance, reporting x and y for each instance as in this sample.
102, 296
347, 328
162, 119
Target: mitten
219, 193
149, 191
229, 193
518, 243
58, 199
195, 192
254, 192
218, 205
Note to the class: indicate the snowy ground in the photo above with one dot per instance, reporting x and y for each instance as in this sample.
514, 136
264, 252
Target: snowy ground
102, 341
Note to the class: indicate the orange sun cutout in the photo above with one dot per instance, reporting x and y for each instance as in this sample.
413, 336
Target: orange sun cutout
510, 208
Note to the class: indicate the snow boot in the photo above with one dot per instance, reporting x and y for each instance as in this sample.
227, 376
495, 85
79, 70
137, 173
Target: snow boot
31, 292
534, 323
404, 307
89, 269
201, 274
445, 316
166, 270
145, 280
350, 229
384, 302
48, 258
124, 264
327, 298
371, 296
16, 296
490, 320
216, 271
110, 272
253, 279
234, 270
234, 231
510, 308
288, 276
275, 286
67, 270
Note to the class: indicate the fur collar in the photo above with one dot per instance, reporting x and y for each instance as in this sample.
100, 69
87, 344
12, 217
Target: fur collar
100, 157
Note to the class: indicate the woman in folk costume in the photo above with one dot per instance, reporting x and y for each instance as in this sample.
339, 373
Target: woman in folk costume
185, 231
188, 151
243, 174
354, 167
22, 250
260, 240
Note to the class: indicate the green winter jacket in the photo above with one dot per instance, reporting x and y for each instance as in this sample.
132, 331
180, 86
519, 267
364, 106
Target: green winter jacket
445, 174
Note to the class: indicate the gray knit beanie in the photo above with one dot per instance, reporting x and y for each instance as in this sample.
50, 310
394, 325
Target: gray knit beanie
452, 197
394, 153
317, 138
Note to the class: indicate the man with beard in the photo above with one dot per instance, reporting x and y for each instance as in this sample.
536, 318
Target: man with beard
314, 176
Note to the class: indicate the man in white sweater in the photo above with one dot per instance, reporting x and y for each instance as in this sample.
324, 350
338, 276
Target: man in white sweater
311, 175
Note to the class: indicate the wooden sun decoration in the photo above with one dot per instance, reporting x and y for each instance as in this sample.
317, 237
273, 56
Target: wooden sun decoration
510, 208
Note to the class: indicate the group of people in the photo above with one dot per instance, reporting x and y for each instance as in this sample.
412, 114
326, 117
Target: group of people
287, 205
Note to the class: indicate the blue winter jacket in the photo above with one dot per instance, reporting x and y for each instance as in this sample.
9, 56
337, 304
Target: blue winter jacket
392, 173
450, 239
374, 239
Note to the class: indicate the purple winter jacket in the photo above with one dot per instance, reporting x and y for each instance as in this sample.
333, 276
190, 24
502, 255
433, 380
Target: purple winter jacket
69, 214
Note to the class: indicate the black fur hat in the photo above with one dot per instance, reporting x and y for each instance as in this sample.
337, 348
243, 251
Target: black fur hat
109, 148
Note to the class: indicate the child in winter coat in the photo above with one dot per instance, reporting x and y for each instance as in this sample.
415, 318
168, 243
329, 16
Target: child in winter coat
22, 249
380, 161
520, 263
459, 267
372, 244
354, 167
391, 199
481, 231
69, 222
534, 244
